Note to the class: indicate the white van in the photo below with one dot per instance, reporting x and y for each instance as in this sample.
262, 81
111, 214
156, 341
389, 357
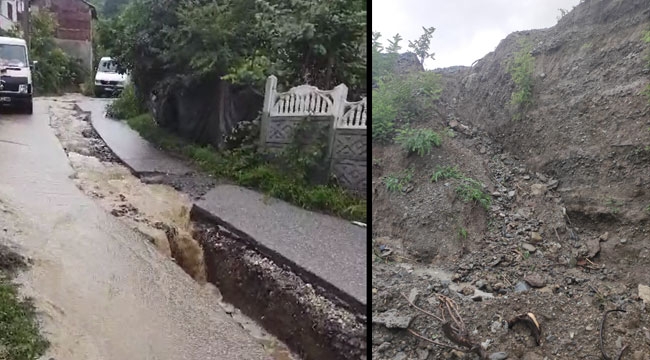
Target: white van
16, 88
107, 79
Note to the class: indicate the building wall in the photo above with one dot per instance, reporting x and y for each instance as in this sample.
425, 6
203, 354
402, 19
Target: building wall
74, 31
7, 21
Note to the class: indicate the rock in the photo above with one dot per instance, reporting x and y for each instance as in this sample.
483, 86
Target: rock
511, 194
453, 124
535, 281
644, 293
638, 355
528, 247
498, 356
423, 354
384, 346
604, 237
623, 241
537, 189
467, 291
400, 356
593, 248
392, 319
486, 344
496, 326
521, 287
535, 237
526, 177
541, 177
589, 328
480, 284
552, 184
498, 286
413, 295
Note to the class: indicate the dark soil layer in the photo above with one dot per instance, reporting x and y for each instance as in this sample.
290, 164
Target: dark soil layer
286, 306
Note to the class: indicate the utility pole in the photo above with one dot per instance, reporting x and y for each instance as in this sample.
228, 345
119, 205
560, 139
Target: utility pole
24, 5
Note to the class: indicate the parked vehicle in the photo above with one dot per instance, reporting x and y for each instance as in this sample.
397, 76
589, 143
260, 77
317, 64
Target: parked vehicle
16, 88
108, 81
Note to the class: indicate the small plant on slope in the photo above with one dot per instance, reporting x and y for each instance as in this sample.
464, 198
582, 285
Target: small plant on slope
521, 71
398, 182
471, 190
419, 141
446, 172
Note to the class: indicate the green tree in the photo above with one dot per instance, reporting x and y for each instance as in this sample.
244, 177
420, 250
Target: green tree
421, 46
393, 44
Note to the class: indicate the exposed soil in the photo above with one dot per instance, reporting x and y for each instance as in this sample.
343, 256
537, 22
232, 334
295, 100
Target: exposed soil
566, 234
310, 324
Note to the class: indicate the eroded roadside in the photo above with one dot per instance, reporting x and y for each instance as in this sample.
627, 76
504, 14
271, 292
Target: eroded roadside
158, 205
158, 211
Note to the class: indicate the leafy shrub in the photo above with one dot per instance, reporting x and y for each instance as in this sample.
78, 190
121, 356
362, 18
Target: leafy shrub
419, 141
446, 172
471, 190
383, 115
55, 70
127, 105
521, 70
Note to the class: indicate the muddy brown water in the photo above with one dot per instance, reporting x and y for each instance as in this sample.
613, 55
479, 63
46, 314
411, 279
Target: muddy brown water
103, 290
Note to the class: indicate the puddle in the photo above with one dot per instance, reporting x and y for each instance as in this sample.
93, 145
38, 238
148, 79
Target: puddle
157, 211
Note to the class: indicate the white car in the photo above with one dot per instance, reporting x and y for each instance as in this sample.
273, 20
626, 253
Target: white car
16, 88
107, 79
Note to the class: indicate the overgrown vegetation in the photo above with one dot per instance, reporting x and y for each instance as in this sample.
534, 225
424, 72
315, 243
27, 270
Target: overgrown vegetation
400, 98
302, 41
287, 179
418, 141
20, 338
521, 70
398, 182
56, 71
127, 105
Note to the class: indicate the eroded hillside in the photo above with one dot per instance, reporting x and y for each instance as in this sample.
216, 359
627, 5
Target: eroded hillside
565, 235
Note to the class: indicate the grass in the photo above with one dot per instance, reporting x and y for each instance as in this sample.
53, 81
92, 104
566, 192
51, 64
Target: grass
418, 141
20, 338
446, 172
521, 70
470, 190
395, 183
249, 169
462, 233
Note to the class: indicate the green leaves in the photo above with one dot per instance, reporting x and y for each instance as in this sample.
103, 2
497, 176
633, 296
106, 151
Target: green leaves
521, 70
421, 46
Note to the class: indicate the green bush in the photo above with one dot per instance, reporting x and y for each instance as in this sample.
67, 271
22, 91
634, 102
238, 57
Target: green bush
418, 141
127, 105
521, 70
383, 115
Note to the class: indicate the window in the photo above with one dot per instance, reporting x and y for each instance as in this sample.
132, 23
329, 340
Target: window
10, 11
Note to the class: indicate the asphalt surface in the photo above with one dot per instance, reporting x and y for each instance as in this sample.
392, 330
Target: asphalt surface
329, 249
101, 290
137, 153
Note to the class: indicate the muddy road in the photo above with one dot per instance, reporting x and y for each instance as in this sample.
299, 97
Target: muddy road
104, 289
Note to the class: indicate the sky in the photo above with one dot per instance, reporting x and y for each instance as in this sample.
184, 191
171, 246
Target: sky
466, 30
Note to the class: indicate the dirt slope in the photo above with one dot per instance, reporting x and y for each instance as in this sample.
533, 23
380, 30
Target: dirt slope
566, 235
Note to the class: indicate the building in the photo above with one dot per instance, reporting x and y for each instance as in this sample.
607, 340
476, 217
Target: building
75, 26
9, 14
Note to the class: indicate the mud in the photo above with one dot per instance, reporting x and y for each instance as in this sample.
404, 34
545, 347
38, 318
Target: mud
151, 206
283, 303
